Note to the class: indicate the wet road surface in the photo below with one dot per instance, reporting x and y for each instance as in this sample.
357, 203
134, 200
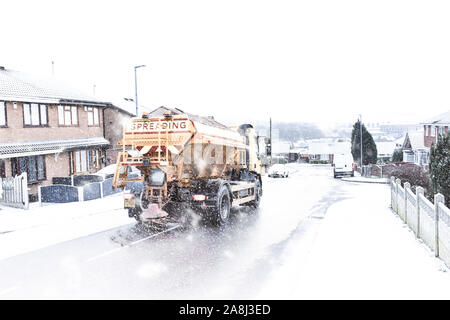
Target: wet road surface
200, 262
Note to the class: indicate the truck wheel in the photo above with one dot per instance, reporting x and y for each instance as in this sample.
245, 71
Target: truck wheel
258, 193
135, 213
221, 212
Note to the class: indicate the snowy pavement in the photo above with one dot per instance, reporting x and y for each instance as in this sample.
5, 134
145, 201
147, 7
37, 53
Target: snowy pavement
314, 237
23, 231
362, 250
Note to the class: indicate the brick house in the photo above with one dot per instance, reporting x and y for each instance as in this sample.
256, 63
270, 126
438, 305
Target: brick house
417, 144
414, 149
116, 115
48, 130
435, 126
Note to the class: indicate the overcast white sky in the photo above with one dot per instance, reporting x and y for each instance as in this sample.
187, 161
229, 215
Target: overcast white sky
312, 61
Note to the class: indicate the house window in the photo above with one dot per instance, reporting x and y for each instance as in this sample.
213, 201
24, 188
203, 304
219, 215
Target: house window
85, 160
34, 166
34, 114
433, 131
2, 169
67, 115
2, 114
93, 119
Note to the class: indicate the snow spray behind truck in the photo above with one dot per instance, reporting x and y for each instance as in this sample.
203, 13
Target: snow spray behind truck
188, 161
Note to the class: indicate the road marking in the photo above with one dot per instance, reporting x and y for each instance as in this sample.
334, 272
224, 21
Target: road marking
129, 245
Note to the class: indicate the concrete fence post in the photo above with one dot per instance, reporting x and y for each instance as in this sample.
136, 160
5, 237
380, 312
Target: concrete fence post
407, 186
419, 191
437, 198
80, 194
39, 196
393, 186
397, 186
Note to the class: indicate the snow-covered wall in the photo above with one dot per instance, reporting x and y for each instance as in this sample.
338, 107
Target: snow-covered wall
429, 222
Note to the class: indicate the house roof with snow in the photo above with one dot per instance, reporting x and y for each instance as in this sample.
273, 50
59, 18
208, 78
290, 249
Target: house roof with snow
125, 105
32, 148
443, 118
385, 148
281, 147
414, 140
18, 86
316, 147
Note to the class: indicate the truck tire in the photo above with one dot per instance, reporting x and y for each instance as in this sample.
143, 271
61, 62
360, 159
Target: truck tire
221, 212
258, 193
135, 213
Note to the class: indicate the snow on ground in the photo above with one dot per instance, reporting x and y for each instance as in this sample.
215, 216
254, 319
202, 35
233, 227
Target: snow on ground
354, 247
23, 231
360, 252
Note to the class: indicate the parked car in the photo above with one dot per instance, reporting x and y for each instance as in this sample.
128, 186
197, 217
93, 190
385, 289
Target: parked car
278, 170
343, 165
108, 171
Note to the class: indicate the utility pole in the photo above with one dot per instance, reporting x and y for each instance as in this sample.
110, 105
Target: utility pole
135, 88
94, 89
270, 137
361, 139
53, 68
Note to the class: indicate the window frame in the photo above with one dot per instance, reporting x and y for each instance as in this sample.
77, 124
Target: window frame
93, 160
2, 168
70, 112
93, 111
15, 168
5, 115
40, 114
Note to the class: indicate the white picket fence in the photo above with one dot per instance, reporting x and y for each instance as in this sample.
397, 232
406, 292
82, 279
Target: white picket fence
429, 221
14, 191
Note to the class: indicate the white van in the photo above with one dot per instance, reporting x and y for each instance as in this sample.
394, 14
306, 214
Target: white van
343, 165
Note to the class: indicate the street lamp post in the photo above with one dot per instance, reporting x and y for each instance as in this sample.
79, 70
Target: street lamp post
135, 87
360, 141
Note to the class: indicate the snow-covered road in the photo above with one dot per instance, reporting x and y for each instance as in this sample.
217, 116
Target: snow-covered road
313, 237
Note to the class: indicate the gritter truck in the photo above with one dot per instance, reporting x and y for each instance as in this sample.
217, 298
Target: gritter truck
187, 162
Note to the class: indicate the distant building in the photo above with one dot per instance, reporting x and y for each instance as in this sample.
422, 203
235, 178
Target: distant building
281, 148
385, 150
397, 130
325, 149
416, 145
414, 149
434, 126
116, 116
